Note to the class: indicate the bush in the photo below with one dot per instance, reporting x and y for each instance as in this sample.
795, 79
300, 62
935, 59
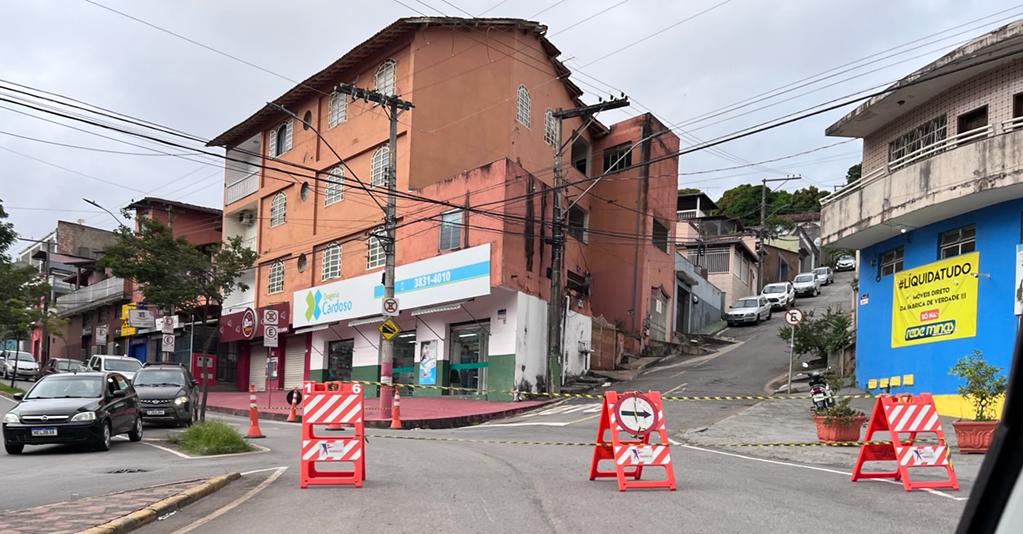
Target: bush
984, 383
211, 437
820, 335
841, 413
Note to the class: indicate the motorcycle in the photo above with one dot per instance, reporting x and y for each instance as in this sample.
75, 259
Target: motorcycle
820, 391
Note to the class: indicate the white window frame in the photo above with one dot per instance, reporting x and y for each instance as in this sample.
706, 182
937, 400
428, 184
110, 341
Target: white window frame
378, 166
278, 209
523, 106
275, 278
334, 191
550, 127
338, 109
331, 264
384, 78
271, 145
451, 223
375, 256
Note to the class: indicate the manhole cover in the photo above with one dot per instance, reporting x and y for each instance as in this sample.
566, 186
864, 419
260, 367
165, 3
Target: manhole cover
127, 470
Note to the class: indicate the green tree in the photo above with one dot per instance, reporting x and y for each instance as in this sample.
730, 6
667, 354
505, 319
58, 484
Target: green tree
853, 174
820, 336
983, 384
173, 274
688, 191
742, 202
807, 200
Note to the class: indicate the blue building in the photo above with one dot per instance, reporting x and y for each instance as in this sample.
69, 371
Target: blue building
936, 218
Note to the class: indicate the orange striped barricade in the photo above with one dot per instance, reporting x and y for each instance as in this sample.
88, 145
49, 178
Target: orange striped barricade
334, 455
627, 420
905, 417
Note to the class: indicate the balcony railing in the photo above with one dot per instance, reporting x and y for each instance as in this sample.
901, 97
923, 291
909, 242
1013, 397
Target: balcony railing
242, 187
687, 214
109, 290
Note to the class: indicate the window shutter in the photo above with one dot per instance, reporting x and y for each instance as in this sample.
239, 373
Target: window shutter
271, 144
287, 135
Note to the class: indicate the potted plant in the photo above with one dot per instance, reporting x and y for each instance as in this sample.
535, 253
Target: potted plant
839, 423
983, 385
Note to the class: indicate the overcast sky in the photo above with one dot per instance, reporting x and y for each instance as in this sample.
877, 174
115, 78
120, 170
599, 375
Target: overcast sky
724, 56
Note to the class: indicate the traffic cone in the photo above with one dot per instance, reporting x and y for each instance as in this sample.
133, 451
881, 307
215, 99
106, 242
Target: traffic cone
293, 412
396, 410
254, 431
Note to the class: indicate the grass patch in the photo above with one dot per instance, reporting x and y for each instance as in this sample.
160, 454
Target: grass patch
211, 437
9, 390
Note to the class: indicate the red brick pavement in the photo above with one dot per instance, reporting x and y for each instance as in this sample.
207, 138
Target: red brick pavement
87, 512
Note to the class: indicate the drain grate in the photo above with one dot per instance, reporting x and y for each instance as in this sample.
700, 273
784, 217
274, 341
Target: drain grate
127, 470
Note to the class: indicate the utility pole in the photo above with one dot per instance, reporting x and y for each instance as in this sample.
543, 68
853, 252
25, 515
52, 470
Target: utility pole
762, 232
394, 106
555, 305
45, 356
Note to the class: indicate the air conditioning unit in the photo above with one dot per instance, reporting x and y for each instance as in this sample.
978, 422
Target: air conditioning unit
247, 218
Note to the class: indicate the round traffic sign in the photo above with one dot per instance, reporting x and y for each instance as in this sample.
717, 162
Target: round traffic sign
294, 397
794, 317
636, 414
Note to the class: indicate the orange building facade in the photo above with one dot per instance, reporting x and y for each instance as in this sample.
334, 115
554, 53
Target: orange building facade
474, 186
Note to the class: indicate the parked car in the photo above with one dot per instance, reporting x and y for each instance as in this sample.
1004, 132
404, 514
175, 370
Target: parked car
781, 295
87, 408
20, 364
126, 365
167, 393
825, 275
806, 285
60, 365
751, 309
845, 263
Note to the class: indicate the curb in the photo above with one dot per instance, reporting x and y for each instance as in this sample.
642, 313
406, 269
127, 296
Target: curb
407, 424
160, 508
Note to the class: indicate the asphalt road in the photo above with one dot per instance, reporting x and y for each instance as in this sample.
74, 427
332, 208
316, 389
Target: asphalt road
460, 486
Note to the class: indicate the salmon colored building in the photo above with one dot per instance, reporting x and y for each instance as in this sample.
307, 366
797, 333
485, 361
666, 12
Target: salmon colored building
474, 186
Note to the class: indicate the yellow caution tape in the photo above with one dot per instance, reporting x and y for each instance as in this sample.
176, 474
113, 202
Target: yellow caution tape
608, 444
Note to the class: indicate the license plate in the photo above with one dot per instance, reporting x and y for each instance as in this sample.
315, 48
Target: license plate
44, 431
154, 412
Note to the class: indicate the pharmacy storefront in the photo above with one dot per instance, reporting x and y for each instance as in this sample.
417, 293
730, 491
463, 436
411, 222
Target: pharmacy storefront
455, 328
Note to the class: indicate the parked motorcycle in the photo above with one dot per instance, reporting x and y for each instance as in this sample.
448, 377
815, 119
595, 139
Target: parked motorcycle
820, 391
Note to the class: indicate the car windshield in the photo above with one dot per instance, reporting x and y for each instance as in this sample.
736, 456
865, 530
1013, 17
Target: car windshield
121, 365
69, 365
746, 303
780, 288
804, 278
23, 357
846, 258
821, 270
160, 377
61, 387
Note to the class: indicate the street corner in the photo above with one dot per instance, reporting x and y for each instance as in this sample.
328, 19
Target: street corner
114, 512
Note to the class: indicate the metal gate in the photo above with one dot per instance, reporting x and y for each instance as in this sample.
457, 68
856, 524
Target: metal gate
604, 345
294, 361
257, 367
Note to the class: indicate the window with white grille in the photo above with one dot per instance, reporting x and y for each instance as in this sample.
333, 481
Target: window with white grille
279, 139
338, 112
925, 135
550, 128
378, 166
374, 251
278, 207
334, 191
958, 241
275, 280
450, 230
331, 262
384, 77
523, 106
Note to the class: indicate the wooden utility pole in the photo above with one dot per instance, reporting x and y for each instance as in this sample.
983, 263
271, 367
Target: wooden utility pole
762, 231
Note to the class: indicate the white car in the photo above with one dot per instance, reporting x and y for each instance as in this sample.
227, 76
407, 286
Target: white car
806, 285
19, 364
749, 310
845, 263
123, 365
781, 295
825, 275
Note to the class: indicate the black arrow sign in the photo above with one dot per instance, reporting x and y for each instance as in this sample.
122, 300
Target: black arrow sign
644, 414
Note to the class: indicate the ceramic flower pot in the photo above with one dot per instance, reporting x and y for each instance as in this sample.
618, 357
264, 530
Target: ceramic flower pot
974, 436
835, 430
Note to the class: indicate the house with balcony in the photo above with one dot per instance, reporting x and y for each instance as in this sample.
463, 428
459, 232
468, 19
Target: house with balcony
472, 273
717, 245
936, 218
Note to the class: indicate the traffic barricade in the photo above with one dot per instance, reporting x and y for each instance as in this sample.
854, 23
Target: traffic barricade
905, 417
627, 421
333, 438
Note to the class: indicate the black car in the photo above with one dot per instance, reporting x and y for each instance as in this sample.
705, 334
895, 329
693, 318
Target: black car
167, 393
86, 408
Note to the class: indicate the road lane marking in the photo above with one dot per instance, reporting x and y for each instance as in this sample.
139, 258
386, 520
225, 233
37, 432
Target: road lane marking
235, 503
265, 469
676, 388
812, 467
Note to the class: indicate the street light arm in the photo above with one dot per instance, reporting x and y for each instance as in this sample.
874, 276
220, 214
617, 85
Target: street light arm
96, 204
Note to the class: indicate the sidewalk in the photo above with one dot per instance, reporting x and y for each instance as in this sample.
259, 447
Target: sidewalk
416, 412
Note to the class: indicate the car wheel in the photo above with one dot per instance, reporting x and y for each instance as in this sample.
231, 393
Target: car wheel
14, 448
104, 441
136, 432
769, 312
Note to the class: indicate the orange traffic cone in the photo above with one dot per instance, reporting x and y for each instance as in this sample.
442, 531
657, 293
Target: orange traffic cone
254, 431
396, 411
293, 412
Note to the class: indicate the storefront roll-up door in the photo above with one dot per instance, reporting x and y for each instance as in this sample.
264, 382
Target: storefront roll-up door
257, 367
294, 362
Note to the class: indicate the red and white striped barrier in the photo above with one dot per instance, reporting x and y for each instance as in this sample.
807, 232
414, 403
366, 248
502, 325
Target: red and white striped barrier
327, 410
